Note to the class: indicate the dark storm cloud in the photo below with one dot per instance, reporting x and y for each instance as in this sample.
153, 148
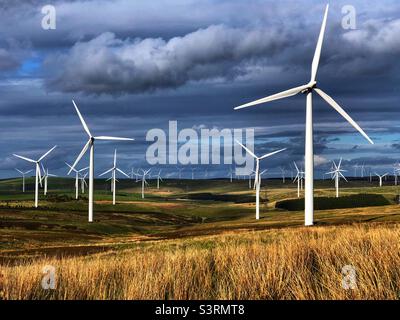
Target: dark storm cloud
7, 61
110, 65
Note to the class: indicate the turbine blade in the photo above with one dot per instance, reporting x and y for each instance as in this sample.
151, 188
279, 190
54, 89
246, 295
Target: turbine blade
45, 155
24, 158
247, 149
277, 96
83, 169
343, 176
120, 171
272, 153
343, 113
70, 167
82, 120
317, 54
113, 138
115, 158
105, 172
20, 171
296, 167
85, 147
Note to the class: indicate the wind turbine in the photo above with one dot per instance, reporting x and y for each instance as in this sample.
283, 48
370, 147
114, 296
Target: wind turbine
83, 182
38, 178
380, 178
283, 171
193, 170
90, 145
257, 177
299, 178
396, 169
179, 172
159, 179
230, 174
23, 177
144, 173
77, 172
114, 171
337, 173
308, 89
132, 173
45, 178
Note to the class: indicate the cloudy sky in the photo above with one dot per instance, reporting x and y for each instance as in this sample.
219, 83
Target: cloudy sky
135, 65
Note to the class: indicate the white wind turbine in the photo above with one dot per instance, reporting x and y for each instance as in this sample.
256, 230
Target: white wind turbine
283, 171
337, 174
114, 171
159, 179
257, 177
230, 174
143, 180
38, 178
299, 178
83, 182
77, 172
193, 170
45, 178
380, 178
396, 169
179, 172
90, 145
23, 177
308, 89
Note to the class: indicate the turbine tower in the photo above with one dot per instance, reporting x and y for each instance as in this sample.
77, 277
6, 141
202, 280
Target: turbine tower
38, 178
114, 171
337, 174
90, 145
257, 173
23, 177
308, 90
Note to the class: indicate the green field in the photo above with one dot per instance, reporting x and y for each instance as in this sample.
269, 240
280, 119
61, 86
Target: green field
180, 209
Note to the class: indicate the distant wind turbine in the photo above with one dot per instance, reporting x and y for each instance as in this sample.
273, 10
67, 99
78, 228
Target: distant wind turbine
299, 178
45, 178
257, 173
337, 174
23, 177
308, 89
114, 169
159, 179
380, 178
77, 172
143, 179
90, 145
83, 182
38, 178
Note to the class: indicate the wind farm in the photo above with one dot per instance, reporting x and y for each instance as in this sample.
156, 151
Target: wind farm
177, 172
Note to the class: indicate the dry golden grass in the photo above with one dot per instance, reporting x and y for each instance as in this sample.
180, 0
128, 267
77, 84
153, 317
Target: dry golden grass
299, 263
